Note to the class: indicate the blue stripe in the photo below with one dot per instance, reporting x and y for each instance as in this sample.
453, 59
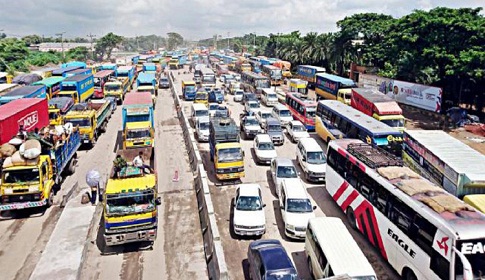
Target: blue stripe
132, 223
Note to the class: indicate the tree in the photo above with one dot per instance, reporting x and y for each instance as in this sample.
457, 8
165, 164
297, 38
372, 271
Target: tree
104, 46
12, 54
78, 53
32, 40
174, 40
43, 58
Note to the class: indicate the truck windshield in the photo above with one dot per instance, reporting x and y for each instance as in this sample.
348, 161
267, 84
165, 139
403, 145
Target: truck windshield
201, 113
230, 155
201, 96
53, 115
138, 133
97, 82
130, 203
21, 176
249, 203
112, 87
299, 206
80, 122
394, 123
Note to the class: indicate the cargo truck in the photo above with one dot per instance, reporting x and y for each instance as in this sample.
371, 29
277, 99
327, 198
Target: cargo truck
30, 113
58, 108
225, 149
80, 87
333, 87
130, 203
151, 68
147, 82
138, 120
32, 183
188, 90
126, 71
38, 91
448, 162
117, 88
379, 106
308, 73
91, 117
173, 64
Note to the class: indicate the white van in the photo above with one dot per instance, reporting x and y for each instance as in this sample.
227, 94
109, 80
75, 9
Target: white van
198, 110
296, 207
269, 97
330, 247
282, 113
202, 129
312, 159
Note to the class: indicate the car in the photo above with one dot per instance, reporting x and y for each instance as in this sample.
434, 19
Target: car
163, 83
268, 259
216, 95
237, 77
282, 113
249, 127
264, 149
296, 130
238, 95
248, 214
275, 131
213, 106
296, 207
227, 79
262, 116
282, 168
202, 129
249, 96
312, 159
234, 86
252, 105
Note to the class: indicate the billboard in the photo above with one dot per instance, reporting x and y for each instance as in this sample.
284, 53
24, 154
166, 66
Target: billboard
420, 96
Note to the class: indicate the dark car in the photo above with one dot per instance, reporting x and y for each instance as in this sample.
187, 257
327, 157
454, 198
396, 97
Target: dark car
249, 96
269, 260
163, 83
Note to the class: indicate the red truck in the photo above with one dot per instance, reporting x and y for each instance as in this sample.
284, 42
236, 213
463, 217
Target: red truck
31, 113
378, 105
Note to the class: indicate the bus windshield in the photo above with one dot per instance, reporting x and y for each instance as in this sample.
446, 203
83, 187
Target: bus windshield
394, 123
311, 112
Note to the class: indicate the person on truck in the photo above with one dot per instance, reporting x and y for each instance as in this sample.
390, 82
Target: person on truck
140, 163
119, 163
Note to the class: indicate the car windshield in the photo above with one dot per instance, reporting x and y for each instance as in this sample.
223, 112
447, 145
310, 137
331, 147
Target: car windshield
285, 113
394, 123
272, 96
80, 122
266, 146
21, 176
112, 87
138, 133
299, 206
274, 127
310, 113
298, 128
204, 126
230, 155
287, 172
251, 122
213, 106
201, 96
238, 93
201, 113
316, 158
130, 203
249, 203
164, 80
265, 115
254, 105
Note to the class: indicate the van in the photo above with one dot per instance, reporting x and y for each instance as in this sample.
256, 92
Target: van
269, 97
283, 114
202, 129
312, 159
329, 248
198, 110
296, 207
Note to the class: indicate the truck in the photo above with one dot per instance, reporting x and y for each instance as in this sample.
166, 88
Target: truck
242, 65
138, 120
308, 73
333, 87
58, 108
150, 68
33, 183
38, 91
30, 113
188, 90
173, 64
182, 61
126, 71
147, 82
285, 67
80, 87
6, 88
379, 106
117, 88
225, 149
91, 117
299, 86
130, 203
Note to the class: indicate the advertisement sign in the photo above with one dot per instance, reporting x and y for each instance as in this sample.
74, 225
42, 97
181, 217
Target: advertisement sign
327, 85
421, 96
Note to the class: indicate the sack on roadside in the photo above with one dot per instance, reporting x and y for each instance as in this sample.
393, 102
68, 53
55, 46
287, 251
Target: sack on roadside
7, 163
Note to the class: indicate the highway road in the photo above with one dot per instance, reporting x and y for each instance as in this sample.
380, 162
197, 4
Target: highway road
235, 248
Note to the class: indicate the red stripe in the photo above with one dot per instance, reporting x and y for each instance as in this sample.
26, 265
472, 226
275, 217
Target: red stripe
349, 200
373, 229
340, 191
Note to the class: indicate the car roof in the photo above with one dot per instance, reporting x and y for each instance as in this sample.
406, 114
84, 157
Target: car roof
272, 121
204, 119
310, 144
263, 138
280, 107
295, 122
249, 189
273, 255
295, 188
281, 161
199, 106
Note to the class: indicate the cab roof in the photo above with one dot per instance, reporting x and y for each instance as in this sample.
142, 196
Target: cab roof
249, 189
116, 186
295, 188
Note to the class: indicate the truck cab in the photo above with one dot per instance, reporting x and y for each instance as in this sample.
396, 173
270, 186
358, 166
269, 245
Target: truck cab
188, 90
201, 96
114, 88
138, 134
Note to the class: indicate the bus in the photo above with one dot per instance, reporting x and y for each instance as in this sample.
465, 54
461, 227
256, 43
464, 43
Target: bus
255, 63
100, 78
253, 82
53, 85
336, 120
420, 229
274, 74
208, 78
299, 86
61, 72
221, 69
334, 87
302, 109
230, 61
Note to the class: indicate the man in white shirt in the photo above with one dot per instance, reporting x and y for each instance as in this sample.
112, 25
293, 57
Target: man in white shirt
139, 162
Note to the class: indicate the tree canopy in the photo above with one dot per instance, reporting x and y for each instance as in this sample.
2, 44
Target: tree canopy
106, 44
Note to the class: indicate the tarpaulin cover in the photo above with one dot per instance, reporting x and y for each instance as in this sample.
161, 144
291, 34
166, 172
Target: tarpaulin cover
26, 79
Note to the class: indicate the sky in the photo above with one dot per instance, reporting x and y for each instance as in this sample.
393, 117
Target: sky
195, 19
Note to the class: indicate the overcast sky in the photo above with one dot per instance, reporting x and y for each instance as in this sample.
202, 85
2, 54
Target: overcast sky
195, 19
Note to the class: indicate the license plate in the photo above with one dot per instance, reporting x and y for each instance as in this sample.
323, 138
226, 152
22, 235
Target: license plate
320, 179
20, 206
86, 141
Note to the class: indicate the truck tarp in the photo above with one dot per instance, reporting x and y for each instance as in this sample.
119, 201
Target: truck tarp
26, 79
138, 98
24, 92
30, 112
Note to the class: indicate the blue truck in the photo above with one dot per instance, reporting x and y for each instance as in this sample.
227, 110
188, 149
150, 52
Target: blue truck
38, 91
79, 87
149, 67
182, 60
126, 71
61, 72
308, 73
146, 79
79, 64
108, 66
216, 95
82, 71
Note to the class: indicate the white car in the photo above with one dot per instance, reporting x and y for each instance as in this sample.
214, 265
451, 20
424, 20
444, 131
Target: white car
249, 217
264, 149
252, 105
213, 108
296, 130
238, 95
281, 169
262, 115
312, 159
202, 129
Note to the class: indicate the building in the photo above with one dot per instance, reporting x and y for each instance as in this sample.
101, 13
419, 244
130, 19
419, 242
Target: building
45, 47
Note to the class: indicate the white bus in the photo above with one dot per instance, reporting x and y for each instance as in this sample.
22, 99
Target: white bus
208, 78
420, 229
329, 247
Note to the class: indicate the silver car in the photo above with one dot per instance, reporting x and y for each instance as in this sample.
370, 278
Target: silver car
282, 168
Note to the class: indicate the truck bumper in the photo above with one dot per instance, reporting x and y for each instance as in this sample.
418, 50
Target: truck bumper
23, 205
148, 235
230, 176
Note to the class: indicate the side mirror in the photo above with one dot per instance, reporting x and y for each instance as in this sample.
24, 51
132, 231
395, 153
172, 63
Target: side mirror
264, 205
158, 201
314, 207
303, 158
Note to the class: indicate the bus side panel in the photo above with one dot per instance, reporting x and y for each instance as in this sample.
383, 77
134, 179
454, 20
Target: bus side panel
325, 95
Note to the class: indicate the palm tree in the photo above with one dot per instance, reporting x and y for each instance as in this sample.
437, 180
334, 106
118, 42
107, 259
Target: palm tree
310, 44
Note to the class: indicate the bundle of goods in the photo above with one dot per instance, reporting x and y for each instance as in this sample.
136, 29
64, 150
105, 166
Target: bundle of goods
27, 154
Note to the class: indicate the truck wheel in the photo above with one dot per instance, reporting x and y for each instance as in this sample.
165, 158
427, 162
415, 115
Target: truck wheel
50, 200
72, 166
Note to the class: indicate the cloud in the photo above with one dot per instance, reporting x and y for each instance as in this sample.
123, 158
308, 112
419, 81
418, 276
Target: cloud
196, 19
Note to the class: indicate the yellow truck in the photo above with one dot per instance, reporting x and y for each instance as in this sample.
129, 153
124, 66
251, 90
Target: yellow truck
138, 120
201, 96
58, 108
117, 88
91, 117
130, 203
32, 183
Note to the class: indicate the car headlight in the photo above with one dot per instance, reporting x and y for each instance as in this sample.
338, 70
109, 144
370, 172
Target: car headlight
290, 227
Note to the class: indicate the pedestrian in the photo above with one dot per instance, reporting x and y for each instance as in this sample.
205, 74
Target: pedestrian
140, 163
94, 194
22, 134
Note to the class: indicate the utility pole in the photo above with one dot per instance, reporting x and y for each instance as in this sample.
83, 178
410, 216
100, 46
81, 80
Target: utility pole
91, 36
61, 34
228, 33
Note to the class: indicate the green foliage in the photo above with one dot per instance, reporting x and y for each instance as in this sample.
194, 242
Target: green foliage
174, 40
12, 55
43, 58
79, 54
106, 44
140, 43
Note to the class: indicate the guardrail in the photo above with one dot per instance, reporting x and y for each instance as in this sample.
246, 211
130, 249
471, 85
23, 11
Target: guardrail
214, 254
